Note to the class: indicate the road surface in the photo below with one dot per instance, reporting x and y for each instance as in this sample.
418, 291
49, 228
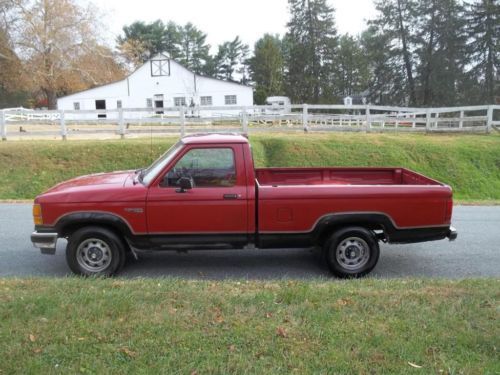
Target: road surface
476, 253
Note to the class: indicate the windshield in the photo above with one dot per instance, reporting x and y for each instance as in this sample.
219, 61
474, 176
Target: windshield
148, 174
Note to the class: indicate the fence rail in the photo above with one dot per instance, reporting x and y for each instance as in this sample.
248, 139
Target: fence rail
21, 122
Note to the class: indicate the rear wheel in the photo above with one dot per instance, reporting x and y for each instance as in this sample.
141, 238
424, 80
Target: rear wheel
95, 251
351, 252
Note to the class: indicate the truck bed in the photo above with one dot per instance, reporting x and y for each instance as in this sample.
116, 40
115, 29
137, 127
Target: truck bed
340, 176
293, 200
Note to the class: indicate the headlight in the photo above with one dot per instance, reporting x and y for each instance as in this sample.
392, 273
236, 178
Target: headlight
37, 214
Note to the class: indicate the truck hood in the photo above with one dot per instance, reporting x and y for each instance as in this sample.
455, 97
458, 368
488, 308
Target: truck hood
114, 178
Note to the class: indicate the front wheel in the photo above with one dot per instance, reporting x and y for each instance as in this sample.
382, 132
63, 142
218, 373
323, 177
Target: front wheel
351, 252
95, 251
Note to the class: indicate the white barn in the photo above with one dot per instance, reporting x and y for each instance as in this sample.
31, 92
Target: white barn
160, 83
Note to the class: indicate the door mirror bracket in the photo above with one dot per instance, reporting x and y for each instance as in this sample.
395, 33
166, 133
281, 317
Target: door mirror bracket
185, 184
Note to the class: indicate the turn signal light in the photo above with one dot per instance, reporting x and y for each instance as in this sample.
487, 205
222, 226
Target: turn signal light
37, 214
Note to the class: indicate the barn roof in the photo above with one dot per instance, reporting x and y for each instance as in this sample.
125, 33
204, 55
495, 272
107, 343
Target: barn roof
147, 62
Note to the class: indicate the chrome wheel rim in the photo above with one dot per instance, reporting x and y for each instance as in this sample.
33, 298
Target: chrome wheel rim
94, 255
352, 253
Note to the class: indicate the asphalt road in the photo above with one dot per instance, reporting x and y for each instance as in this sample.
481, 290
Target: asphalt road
476, 253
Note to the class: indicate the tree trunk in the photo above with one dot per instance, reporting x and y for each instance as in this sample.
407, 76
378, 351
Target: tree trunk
51, 96
406, 56
428, 67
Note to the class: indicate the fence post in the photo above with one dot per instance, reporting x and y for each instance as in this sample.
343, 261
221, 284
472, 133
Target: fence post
3, 126
62, 122
245, 120
436, 122
461, 122
305, 118
121, 124
489, 119
427, 119
183, 121
368, 118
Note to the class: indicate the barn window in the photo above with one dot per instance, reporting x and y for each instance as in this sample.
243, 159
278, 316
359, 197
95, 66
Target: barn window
149, 103
230, 99
180, 101
206, 100
118, 104
160, 67
76, 106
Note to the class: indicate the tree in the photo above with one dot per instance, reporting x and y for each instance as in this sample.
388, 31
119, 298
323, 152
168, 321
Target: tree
350, 71
13, 80
141, 41
483, 20
310, 46
440, 47
231, 59
267, 67
387, 79
395, 20
52, 36
193, 49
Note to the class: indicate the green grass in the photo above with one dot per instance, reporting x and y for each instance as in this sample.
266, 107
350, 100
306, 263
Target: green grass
280, 327
469, 163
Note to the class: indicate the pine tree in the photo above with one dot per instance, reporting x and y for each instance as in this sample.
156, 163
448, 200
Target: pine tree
387, 78
231, 59
310, 46
193, 49
396, 21
483, 20
351, 68
141, 41
266, 67
440, 44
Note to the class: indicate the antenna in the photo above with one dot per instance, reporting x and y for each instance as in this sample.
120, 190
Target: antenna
151, 142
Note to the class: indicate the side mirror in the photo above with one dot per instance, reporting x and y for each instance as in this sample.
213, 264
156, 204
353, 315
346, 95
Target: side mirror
185, 184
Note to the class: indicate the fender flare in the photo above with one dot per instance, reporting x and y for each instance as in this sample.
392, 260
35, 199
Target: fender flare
66, 223
369, 220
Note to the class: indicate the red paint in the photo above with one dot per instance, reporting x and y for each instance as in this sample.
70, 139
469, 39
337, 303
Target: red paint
288, 199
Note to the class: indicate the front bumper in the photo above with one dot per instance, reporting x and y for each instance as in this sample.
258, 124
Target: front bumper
452, 234
46, 242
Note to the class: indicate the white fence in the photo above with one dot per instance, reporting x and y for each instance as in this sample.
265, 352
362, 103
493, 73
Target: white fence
20, 122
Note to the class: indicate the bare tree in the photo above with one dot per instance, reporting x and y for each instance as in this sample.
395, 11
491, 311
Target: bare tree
56, 39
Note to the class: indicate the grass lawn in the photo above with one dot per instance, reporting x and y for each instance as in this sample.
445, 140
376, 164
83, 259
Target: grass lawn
469, 163
207, 327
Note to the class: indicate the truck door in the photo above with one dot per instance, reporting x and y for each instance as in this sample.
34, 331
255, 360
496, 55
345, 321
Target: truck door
215, 208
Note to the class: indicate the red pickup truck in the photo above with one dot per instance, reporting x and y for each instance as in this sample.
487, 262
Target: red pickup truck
204, 193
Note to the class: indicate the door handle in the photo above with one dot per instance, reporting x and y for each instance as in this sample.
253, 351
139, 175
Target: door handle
231, 196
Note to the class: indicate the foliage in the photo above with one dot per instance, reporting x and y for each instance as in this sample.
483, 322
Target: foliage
56, 40
193, 49
311, 43
231, 58
77, 325
483, 20
141, 41
267, 68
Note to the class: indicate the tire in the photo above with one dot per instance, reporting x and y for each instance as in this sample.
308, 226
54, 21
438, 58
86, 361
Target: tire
95, 251
351, 252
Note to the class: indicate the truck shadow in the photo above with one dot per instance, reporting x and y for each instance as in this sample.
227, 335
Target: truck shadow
229, 264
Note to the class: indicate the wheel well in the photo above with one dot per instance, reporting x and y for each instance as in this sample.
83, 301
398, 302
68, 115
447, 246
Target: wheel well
329, 229
70, 228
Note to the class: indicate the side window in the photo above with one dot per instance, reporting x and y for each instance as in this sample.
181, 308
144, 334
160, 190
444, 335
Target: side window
206, 167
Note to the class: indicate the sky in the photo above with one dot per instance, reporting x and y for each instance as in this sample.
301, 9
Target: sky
223, 20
